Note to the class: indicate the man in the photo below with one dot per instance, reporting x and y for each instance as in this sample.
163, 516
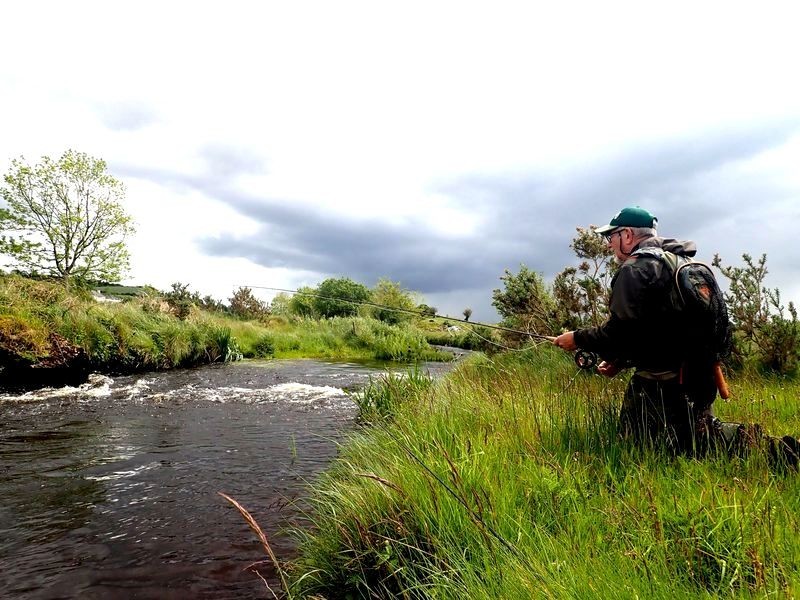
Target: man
663, 402
668, 400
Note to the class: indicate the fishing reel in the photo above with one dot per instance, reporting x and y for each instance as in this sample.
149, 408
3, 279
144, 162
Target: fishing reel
585, 359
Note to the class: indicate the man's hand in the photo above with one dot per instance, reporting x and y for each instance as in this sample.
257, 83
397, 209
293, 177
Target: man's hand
566, 341
608, 369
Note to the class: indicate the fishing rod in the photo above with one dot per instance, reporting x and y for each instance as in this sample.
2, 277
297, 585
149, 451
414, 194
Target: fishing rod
585, 359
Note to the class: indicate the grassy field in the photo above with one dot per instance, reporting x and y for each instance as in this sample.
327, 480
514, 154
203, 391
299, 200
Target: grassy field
507, 479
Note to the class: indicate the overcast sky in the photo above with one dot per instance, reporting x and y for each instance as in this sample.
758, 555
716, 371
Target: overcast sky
433, 143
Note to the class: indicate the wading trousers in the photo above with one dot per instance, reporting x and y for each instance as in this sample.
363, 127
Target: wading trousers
667, 413
678, 417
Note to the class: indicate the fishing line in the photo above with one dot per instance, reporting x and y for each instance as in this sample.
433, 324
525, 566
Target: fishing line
583, 358
417, 313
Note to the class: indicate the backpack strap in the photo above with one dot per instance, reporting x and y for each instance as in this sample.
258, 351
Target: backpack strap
673, 261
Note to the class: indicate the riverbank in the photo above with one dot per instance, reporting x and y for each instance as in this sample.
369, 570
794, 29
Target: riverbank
51, 336
507, 479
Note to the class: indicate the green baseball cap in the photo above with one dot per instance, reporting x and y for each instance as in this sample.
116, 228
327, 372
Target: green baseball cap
630, 216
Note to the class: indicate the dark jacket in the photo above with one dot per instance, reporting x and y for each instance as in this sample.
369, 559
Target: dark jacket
644, 329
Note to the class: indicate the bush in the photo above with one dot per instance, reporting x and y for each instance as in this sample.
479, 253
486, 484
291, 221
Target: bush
302, 304
525, 303
264, 348
764, 332
396, 300
245, 305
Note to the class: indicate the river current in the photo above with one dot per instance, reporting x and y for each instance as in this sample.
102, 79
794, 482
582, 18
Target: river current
109, 490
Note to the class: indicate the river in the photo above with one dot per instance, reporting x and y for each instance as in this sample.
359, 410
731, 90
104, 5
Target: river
109, 490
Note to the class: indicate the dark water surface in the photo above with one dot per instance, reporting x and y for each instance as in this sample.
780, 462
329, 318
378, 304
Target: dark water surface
110, 490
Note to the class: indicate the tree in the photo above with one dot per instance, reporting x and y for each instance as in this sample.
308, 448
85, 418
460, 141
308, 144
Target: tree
467, 313
339, 297
392, 296
245, 305
281, 304
582, 293
302, 303
525, 303
65, 218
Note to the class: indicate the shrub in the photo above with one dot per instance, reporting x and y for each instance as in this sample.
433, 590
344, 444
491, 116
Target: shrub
525, 302
764, 332
302, 303
391, 295
264, 348
245, 305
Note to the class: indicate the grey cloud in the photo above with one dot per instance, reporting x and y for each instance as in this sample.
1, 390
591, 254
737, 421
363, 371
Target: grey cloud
688, 183
362, 250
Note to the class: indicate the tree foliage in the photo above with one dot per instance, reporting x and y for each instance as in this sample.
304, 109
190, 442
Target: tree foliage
765, 328
525, 303
302, 303
65, 218
339, 297
245, 305
582, 293
427, 311
181, 299
392, 295
281, 304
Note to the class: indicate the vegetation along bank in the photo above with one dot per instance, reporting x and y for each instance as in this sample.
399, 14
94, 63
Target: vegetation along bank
508, 479
51, 334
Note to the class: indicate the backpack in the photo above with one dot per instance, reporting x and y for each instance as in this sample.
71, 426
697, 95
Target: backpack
696, 294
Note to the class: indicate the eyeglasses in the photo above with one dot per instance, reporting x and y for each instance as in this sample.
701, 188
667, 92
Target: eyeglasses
611, 234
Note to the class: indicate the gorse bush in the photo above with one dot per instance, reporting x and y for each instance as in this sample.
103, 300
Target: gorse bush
181, 300
245, 305
766, 331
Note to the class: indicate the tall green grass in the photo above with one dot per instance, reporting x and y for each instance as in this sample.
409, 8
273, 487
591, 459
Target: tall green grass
508, 479
144, 333
354, 337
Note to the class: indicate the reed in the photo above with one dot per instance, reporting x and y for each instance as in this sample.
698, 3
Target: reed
508, 479
253, 524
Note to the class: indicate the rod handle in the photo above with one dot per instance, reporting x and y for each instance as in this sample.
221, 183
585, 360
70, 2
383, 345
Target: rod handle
722, 385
